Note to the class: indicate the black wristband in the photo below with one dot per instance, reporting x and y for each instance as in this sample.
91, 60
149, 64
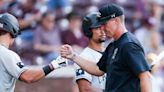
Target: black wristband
47, 69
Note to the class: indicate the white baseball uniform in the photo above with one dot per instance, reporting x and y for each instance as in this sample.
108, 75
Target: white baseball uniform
11, 68
92, 55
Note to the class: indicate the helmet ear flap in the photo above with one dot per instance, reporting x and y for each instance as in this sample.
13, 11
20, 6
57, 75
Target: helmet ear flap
89, 34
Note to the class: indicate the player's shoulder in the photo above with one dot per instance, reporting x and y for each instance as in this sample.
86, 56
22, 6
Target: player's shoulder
88, 53
8, 55
88, 50
13, 53
85, 51
7, 52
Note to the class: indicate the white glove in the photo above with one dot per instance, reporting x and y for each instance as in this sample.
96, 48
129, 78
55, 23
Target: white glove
59, 62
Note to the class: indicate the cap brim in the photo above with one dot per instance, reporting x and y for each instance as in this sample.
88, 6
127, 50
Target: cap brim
102, 22
96, 25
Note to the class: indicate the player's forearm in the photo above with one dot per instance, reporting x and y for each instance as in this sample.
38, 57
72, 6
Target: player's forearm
88, 66
32, 75
145, 82
146, 86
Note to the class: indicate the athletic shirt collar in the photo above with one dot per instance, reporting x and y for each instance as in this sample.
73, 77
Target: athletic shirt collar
101, 52
3, 45
119, 40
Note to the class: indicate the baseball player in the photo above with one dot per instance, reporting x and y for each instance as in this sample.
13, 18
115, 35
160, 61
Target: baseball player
123, 60
93, 52
11, 66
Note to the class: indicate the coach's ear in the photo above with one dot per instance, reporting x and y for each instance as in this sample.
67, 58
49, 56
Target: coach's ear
117, 21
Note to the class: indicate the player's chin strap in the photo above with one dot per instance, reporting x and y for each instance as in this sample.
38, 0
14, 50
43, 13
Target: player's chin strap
158, 59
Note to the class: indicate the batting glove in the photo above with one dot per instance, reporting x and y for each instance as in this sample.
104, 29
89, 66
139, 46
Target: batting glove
59, 62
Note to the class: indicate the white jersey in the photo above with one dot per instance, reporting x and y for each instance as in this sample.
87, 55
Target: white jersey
11, 68
92, 55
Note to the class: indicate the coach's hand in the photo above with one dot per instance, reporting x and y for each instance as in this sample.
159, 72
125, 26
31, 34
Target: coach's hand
66, 51
59, 62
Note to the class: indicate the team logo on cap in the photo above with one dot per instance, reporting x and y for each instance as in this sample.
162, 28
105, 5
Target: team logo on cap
1, 25
98, 14
113, 15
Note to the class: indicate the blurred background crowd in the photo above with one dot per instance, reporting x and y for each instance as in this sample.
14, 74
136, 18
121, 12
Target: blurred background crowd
47, 24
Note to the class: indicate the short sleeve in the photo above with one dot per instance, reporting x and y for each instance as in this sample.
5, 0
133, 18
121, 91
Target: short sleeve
103, 60
134, 57
14, 65
81, 74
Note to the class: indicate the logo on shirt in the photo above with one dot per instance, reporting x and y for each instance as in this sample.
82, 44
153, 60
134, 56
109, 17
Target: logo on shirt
20, 64
79, 72
114, 54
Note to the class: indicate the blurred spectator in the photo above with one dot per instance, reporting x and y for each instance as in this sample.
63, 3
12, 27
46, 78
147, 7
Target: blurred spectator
28, 16
146, 33
156, 44
54, 4
47, 37
156, 10
63, 7
26, 12
157, 71
3, 5
41, 5
74, 36
159, 75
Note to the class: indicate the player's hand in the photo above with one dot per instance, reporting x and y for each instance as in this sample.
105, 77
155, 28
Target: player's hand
59, 62
66, 51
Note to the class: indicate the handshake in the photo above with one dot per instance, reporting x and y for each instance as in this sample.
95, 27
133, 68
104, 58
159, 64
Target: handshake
62, 61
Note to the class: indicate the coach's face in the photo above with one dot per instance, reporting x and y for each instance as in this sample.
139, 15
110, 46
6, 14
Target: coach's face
110, 27
98, 35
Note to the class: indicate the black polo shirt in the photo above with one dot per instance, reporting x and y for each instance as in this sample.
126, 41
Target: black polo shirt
123, 60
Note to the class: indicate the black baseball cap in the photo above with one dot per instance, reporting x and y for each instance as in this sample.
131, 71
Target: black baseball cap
110, 11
